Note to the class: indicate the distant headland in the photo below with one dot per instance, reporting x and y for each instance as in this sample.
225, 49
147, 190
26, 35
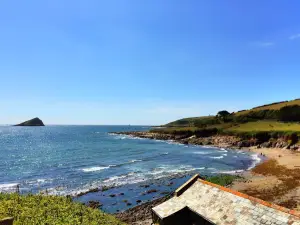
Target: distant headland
33, 122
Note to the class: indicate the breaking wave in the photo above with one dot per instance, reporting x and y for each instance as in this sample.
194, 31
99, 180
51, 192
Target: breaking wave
217, 157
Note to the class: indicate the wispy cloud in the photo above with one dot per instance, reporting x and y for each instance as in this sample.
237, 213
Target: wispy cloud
295, 36
265, 44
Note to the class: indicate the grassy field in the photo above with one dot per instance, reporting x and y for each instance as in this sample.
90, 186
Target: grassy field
187, 121
38, 209
266, 126
244, 127
270, 107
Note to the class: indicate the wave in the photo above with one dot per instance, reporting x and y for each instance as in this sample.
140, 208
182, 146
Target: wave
136, 160
217, 157
202, 153
224, 154
130, 178
9, 187
98, 168
230, 172
38, 181
256, 160
95, 168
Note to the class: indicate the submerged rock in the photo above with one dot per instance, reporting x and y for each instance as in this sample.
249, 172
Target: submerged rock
94, 204
33, 122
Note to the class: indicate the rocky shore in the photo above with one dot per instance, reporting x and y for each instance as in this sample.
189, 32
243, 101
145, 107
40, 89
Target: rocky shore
141, 214
222, 141
275, 180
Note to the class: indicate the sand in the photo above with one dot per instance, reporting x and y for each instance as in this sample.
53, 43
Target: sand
285, 157
280, 186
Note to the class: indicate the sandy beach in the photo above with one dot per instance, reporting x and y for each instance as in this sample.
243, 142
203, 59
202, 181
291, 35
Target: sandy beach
276, 179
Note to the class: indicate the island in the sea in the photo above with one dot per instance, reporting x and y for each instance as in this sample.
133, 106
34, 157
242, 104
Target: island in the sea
33, 122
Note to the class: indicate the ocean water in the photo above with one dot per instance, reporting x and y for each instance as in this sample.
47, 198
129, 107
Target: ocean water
67, 160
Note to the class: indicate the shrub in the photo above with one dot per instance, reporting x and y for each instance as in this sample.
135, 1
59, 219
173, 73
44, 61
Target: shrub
38, 209
223, 179
289, 113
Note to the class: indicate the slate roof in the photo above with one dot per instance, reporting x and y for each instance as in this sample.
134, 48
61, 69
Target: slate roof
224, 206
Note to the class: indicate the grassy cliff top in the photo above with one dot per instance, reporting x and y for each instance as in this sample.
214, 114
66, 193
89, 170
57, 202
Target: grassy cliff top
272, 106
185, 122
264, 112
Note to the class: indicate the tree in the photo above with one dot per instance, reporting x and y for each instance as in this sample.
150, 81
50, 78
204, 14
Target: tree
223, 115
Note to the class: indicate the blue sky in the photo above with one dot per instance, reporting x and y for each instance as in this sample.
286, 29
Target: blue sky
144, 62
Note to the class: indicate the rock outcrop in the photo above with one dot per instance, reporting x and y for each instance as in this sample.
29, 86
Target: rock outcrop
33, 122
222, 141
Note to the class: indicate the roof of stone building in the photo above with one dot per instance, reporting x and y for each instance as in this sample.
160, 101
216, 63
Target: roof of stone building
221, 205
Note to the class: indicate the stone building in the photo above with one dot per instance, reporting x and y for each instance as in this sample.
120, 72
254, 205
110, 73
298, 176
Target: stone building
199, 202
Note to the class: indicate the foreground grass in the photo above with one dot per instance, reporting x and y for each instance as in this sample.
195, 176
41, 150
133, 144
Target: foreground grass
266, 126
38, 209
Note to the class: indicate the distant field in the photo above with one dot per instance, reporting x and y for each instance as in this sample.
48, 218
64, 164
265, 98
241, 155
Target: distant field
172, 129
265, 126
274, 106
187, 121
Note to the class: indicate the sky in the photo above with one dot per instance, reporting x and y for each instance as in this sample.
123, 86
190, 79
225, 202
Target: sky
144, 62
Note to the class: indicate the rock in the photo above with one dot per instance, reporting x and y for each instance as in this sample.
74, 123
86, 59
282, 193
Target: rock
170, 184
242, 144
151, 191
121, 194
145, 186
125, 201
112, 195
128, 203
33, 122
138, 201
266, 144
185, 142
94, 204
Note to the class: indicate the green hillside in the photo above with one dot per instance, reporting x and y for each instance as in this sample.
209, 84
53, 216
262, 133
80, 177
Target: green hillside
280, 119
286, 111
188, 122
272, 106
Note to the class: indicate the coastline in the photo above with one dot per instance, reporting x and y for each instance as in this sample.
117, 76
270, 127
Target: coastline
262, 181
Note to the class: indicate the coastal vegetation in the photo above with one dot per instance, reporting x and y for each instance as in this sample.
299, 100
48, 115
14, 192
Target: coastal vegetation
223, 179
275, 120
40, 209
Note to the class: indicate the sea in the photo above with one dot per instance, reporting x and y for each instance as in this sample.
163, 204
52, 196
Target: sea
67, 160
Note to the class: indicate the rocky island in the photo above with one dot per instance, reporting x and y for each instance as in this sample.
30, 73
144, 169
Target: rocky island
33, 122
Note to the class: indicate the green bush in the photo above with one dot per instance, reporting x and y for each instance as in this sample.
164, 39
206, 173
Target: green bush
38, 209
289, 113
202, 123
253, 116
223, 179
